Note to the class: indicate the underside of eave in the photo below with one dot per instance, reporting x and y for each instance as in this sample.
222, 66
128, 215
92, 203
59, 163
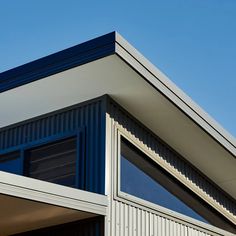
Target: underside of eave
108, 45
162, 84
102, 49
18, 215
124, 79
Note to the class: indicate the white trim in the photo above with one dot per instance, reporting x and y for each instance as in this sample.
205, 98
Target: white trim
135, 201
173, 93
108, 177
36, 190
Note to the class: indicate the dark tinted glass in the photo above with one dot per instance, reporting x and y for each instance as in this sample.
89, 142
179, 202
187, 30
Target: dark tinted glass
11, 162
55, 162
136, 179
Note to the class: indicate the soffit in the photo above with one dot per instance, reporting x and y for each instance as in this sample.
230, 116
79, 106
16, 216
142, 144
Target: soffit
19, 215
112, 75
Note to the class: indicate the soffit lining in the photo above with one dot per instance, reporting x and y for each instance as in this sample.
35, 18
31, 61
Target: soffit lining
19, 215
111, 75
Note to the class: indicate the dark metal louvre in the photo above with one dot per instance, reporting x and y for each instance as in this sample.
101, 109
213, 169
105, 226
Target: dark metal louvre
53, 162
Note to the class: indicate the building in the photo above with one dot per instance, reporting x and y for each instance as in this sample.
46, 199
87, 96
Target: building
94, 140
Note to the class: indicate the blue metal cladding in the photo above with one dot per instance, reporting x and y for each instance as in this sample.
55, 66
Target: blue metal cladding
88, 117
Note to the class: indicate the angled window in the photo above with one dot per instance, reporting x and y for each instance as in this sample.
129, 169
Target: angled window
142, 178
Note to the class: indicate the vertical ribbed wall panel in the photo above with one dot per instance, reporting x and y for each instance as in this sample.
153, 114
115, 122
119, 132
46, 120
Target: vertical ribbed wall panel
134, 221
133, 218
171, 158
89, 116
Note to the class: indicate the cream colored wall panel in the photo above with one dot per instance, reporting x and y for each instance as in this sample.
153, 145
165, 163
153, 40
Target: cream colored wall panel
134, 221
172, 161
130, 218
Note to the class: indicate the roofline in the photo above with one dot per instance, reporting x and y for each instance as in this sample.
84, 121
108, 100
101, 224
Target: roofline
163, 84
63, 60
113, 43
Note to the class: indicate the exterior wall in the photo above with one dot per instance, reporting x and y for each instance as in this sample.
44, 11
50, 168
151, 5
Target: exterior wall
138, 221
88, 117
125, 217
128, 217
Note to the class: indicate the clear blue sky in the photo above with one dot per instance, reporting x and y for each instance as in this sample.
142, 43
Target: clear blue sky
191, 41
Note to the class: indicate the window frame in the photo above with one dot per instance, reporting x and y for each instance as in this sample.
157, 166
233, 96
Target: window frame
136, 201
23, 148
120, 195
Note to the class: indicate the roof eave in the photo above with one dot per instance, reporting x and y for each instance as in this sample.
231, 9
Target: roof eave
106, 45
55, 63
160, 82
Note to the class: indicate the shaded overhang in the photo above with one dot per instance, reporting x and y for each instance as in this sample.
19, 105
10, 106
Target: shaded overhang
110, 65
19, 215
27, 204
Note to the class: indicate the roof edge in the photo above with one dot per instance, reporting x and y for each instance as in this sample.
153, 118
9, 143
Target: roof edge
130, 54
108, 44
63, 60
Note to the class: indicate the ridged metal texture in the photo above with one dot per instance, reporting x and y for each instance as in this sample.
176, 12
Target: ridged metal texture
173, 160
88, 116
89, 227
134, 221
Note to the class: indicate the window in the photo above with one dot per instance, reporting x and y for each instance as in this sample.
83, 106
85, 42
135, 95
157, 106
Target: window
54, 159
142, 178
53, 162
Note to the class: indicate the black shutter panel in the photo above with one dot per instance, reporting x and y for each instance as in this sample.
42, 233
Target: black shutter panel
54, 162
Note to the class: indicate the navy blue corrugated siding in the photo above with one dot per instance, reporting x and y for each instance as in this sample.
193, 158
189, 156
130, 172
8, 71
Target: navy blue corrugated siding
88, 116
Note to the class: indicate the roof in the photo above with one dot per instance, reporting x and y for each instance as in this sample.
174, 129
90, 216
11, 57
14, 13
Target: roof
123, 73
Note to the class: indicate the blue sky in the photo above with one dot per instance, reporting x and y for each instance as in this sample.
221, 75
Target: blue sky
192, 41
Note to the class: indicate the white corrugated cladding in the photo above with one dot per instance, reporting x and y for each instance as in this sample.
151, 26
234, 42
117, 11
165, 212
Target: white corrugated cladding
133, 221
129, 218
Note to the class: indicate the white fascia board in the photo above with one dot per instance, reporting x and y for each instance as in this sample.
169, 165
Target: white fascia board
160, 81
41, 191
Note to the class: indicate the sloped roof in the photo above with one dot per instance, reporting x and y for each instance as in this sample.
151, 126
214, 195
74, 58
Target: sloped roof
110, 65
